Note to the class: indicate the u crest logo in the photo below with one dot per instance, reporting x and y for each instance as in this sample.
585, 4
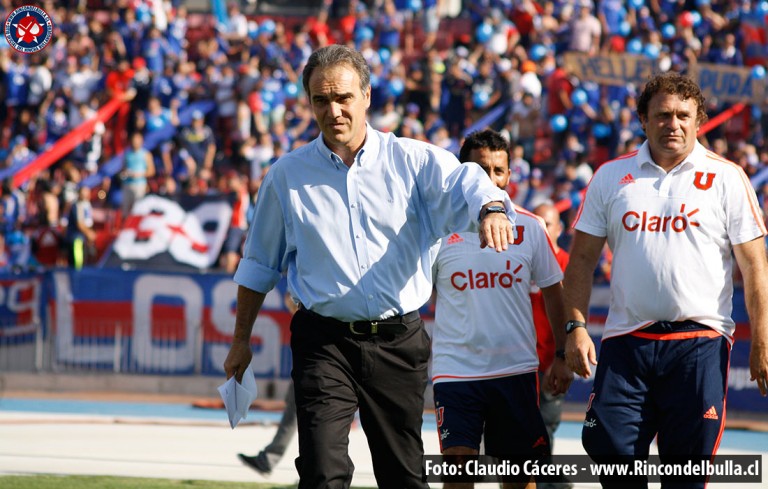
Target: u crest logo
699, 183
439, 415
519, 235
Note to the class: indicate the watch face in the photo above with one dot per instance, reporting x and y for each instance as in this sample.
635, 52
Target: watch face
571, 325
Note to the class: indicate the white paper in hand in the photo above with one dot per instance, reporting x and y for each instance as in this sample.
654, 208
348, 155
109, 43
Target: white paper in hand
238, 397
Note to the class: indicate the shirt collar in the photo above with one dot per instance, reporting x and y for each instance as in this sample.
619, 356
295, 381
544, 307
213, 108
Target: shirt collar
326, 152
644, 156
370, 147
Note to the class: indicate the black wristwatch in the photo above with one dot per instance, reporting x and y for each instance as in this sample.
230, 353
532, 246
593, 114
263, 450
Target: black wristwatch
572, 325
560, 354
491, 209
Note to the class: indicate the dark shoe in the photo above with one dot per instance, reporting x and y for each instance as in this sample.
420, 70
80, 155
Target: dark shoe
260, 463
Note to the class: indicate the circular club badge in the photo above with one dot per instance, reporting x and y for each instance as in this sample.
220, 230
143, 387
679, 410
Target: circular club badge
28, 29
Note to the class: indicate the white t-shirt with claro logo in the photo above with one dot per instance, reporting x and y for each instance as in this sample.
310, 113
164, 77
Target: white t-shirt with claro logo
671, 235
483, 320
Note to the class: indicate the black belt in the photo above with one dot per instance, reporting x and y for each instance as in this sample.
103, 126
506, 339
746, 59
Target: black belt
390, 326
663, 327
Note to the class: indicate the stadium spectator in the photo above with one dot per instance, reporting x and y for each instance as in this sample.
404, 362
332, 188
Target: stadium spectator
143, 82
88, 153
236, 190
197, 146
138, 167
525, 124
80, 236
519, 175
389, 26
157, 122
411, 126
387, 118
119, 86
586, 30
40, 81
455, 87
56, 122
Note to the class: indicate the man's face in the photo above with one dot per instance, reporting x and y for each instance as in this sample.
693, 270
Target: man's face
339, 106
495, 164
671, 126
551, 220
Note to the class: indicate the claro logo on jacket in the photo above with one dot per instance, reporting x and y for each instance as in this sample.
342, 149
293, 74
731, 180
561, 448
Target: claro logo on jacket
645, 222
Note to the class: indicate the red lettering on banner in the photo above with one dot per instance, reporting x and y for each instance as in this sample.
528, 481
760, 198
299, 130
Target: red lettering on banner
648, 223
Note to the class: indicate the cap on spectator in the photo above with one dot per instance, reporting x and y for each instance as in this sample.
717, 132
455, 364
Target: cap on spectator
585, 3
412, 108
527, 66
139, 63
197, 114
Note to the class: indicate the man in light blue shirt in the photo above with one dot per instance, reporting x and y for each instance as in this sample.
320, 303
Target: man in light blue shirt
351, 218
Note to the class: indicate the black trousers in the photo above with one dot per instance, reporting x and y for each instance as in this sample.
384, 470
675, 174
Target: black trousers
334, 374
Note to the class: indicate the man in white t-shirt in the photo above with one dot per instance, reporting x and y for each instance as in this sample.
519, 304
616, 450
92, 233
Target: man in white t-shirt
484, 360
672, 213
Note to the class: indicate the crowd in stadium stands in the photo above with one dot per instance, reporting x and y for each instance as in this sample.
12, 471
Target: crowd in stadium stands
499, 58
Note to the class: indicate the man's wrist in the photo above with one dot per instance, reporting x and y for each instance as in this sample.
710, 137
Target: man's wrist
491, 208
573, 325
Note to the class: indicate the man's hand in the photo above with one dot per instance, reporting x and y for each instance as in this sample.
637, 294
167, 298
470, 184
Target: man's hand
558, 378
758, 365
580, 352
496, 231
238, 359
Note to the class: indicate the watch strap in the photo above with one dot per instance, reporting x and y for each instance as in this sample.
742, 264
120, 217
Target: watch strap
491, 209
572, 325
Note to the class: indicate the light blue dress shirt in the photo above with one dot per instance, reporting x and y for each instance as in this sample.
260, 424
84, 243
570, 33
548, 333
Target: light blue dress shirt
356, 241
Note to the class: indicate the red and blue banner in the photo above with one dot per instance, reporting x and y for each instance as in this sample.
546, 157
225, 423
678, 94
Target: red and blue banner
165, 323
21, 307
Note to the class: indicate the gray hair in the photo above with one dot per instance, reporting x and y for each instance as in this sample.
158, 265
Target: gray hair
333, 55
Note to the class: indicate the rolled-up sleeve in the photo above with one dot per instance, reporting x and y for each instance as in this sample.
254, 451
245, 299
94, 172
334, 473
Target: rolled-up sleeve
263, 253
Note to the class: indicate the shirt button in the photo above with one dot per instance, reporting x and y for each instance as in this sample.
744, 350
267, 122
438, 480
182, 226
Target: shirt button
357, 236
362, 266
352, 206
